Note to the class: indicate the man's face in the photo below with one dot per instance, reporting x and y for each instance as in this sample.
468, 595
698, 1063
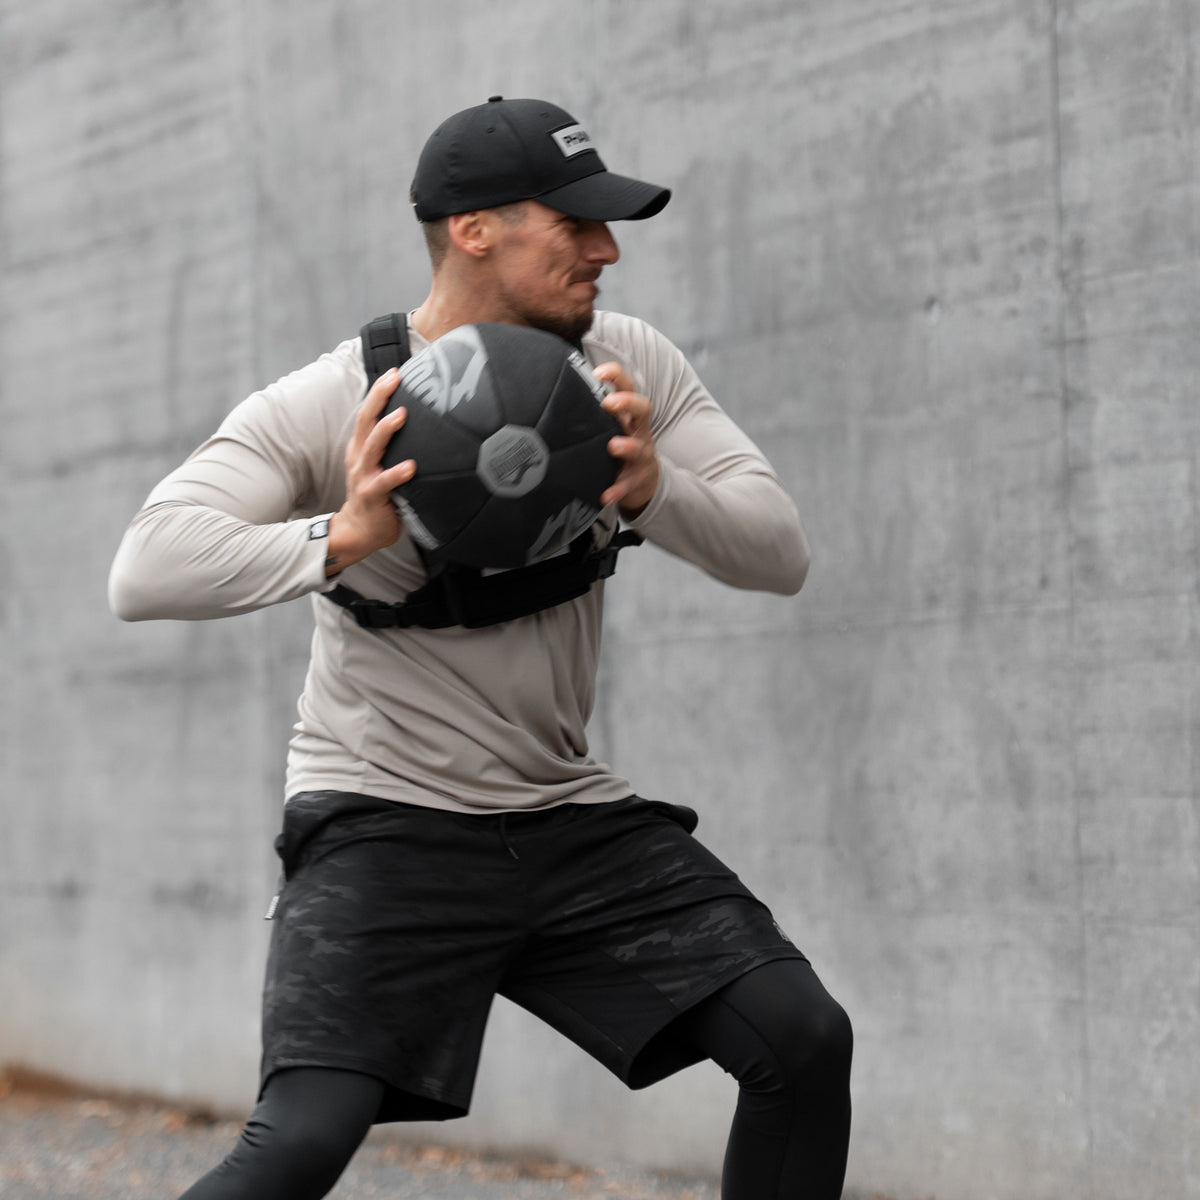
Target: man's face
546, 265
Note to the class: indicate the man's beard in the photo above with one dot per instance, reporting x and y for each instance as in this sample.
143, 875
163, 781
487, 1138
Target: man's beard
569, 326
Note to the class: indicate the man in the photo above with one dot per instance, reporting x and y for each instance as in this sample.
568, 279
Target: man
447, 836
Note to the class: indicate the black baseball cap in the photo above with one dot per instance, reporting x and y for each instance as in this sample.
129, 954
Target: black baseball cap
509, 150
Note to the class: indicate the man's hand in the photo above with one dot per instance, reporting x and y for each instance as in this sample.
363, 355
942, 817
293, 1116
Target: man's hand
637, 480
368, 521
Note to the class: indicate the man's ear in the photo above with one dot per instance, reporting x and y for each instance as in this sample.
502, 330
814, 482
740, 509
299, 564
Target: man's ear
471, 233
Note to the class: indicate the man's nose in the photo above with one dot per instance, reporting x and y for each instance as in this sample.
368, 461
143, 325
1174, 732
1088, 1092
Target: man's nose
601, 245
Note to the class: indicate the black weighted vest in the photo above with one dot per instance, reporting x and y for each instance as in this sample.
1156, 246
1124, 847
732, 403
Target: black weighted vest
459, 595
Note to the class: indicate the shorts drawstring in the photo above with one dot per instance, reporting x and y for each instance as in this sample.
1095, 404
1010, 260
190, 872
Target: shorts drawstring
503, 831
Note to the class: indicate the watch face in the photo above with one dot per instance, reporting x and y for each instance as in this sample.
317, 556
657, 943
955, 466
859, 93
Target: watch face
318, 529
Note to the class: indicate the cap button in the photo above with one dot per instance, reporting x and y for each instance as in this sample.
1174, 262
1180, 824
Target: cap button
493, 99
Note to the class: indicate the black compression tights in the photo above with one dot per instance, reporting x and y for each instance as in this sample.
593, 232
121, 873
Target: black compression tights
788, 1044
298, 1140
776, 1030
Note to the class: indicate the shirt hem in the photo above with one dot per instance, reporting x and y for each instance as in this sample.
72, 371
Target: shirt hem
604, 790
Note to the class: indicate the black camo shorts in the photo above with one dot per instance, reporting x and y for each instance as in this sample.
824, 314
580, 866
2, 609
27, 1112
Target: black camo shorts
397, 925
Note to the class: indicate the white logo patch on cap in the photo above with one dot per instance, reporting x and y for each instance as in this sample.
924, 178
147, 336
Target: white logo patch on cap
573, 140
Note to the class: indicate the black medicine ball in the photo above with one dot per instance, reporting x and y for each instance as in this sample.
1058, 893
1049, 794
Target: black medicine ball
505, 426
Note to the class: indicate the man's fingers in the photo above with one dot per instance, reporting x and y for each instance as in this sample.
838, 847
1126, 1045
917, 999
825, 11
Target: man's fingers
632, 479
374, 402
629, 449
366, 448
383, 431
633, 448
631, 411
615, 376
402, 472
613, 495
383, 387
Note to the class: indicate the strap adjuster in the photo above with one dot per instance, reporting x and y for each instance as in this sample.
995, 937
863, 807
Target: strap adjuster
374, 614
369, 613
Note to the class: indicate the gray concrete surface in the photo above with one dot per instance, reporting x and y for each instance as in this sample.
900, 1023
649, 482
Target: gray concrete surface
57, 1146
940, 259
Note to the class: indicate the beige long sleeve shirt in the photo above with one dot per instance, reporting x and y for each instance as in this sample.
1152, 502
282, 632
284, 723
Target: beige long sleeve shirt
466, 720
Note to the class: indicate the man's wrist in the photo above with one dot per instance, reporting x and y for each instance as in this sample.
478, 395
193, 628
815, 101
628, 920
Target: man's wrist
321, 530
340, 551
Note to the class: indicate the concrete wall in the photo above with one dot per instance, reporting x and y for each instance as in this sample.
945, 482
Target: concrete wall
940, 259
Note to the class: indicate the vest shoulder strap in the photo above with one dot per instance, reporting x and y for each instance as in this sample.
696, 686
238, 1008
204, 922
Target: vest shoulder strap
385, 344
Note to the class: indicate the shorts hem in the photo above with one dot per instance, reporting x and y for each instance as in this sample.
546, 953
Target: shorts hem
404, 1100
670, 1057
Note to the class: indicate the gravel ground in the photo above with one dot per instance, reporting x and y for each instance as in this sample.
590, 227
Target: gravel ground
58, 1146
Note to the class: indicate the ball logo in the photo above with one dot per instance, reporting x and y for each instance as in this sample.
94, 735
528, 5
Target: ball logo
513, 461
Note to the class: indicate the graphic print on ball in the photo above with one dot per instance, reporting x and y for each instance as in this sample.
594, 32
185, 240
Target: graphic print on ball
447, 371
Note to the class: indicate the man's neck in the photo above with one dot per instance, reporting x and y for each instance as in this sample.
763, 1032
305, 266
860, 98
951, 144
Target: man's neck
447, 308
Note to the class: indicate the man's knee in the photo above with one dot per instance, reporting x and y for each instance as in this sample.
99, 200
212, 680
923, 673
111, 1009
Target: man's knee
298, 1159
777, 1031
807, 1034
309, 1141
308, 1125
822, 1038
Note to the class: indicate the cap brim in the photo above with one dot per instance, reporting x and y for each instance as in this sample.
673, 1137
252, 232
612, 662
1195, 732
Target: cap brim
607, 197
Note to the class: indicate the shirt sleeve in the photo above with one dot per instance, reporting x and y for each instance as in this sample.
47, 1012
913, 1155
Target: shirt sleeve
244, 522
719, 504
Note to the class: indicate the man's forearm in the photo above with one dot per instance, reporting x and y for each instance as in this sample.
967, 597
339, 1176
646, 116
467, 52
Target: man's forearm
188, 562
